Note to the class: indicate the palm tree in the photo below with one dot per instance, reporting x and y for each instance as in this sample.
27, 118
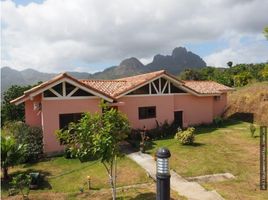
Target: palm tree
11, 154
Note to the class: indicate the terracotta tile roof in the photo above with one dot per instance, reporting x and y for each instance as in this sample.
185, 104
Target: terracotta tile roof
115, 88
119, 86
207, 87
53, 80
110, 87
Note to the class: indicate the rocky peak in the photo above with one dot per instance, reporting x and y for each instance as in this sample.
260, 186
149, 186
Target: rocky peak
131, 62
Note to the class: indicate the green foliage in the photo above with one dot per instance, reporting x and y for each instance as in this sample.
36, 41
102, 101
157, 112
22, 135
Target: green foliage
218, 121
191, 74
11, 153
238, 75
95, 135
30, 136
98, 135
230, 63
264, 73
265, 32
11, 112
252, 129
22, 182
186, 137
242, 79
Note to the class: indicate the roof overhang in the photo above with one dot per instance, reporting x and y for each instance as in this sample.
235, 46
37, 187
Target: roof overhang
163, 75
30, 94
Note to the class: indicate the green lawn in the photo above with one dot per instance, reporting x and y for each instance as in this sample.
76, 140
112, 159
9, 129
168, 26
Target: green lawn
68, 175
217, 150
64, 177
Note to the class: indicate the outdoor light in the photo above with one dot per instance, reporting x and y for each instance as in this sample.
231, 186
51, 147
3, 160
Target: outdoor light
162, 174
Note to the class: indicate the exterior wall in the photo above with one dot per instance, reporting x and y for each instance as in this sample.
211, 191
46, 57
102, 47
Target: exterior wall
50, 117
219, 105
164, 109
32, 117
196, 110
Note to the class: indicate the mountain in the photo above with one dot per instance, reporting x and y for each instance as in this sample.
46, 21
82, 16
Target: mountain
11, 76
179, 60
128, 67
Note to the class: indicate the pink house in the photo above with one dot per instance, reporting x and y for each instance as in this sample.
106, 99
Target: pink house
143, 98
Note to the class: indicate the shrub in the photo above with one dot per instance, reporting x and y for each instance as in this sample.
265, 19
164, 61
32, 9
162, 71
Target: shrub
252, 129
186, 137
22, 182
30, 136
162, 130
218, 121
11, 153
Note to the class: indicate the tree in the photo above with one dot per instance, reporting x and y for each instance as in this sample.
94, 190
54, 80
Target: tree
242, 79
98, 135
230, 64
11, 112
191, 74
264, 73
265, 32
11, 154
25, 134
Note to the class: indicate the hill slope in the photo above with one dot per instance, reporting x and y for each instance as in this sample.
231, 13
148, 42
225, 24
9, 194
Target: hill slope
249, 100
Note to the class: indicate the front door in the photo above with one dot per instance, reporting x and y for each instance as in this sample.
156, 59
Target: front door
178, 118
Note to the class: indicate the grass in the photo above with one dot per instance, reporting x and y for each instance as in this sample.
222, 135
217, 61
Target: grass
144, 192
68, 175
250, 101
217, 150
64, 177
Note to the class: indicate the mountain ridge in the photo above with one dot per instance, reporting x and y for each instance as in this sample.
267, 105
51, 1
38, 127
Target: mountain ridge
179, 60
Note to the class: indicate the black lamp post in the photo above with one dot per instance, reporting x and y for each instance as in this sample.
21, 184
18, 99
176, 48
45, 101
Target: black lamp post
162, 174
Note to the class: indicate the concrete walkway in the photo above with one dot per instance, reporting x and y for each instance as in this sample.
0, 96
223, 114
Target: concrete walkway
190, 190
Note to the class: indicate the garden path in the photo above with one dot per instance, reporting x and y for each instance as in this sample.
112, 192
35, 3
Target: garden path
190, 190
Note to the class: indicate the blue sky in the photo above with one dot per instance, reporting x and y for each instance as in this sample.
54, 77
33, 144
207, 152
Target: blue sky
26, 2
82, 35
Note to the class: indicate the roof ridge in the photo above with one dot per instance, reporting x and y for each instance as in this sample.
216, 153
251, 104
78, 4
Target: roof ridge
154, 72
103, 80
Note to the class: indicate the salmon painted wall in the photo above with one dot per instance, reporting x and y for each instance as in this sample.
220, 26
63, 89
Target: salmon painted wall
164, 109
33, 117
196, 110
50, 114
219, 105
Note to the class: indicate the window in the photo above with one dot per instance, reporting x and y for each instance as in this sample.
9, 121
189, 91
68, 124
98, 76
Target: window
217, 98
65, 119
147, 112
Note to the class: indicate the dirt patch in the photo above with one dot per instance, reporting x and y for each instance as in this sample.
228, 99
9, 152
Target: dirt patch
212, 178
249, 103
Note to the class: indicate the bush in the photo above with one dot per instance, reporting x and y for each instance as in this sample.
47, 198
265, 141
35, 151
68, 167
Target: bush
22, 183
218, 121
30, 136
186, 137
162, 130
252, 129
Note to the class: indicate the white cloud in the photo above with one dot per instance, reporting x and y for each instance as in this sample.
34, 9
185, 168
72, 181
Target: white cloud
253, 50
51, 35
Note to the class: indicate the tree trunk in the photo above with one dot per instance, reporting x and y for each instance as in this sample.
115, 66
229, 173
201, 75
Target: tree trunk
113, 188
5, 173
114, 176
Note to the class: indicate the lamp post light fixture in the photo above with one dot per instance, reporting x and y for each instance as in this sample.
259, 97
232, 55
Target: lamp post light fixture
162, 174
